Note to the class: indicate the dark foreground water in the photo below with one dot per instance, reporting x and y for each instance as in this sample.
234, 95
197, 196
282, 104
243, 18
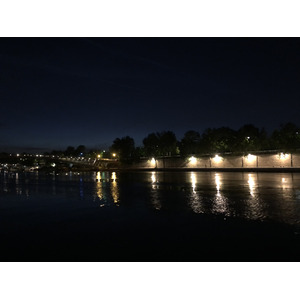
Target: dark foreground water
148, 216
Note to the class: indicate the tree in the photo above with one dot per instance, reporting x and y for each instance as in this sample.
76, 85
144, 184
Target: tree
190, 143
70, 151
167, 142
151, 144
218, 140
287, 138
80, 150
124, 148
251, 138
160, 143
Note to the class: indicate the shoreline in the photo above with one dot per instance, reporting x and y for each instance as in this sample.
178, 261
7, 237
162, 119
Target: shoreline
86, 170
274, 170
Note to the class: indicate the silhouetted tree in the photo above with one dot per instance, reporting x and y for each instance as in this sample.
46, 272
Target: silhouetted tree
250, 138
190, 143
167, 142
160, 143
287, 138
151, 144
218, 140
70, 151
123, 147
80, 150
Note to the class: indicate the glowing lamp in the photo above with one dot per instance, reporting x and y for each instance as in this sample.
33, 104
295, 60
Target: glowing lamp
217, 159
283, 156
251, 157
153, 161
193, 160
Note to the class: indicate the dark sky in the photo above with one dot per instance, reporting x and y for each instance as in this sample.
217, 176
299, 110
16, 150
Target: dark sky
71, 91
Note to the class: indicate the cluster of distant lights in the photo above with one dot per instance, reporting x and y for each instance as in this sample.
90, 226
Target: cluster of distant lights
249, 158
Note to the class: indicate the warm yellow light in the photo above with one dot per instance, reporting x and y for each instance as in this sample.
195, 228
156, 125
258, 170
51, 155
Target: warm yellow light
113, 176
283, 180
251, 157
217, 158
193, 177
98, 176
153, 161
153, 177
193, 160
218, 182
251, 184
98, 155
283, 156
114, 154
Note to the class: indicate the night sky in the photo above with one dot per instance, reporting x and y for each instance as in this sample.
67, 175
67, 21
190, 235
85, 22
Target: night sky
71, 91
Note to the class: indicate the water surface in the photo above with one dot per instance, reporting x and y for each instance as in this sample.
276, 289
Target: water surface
143, 209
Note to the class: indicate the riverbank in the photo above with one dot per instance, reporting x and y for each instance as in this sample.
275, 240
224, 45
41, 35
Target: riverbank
276, 170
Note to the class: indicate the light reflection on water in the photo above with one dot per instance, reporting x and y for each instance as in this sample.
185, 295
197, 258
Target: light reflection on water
220, 201
247, 195
155, 198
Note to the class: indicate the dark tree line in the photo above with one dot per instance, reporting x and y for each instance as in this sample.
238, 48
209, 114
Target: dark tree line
246, 139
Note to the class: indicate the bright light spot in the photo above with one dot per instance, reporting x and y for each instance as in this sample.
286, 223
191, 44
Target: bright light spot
53, 165
193, 160
283, 155
251, 157
153, 161
193, 177
153, 177
283, 180
114, 154
113, 176
218, 182
98, 155
98, 177
18, 154
217, 158
251, 184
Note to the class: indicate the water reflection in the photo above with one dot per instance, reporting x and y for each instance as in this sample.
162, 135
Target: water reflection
114, 188
193, 178
253, 209
154, 192
106, 184
99, 188
251, 183
220, 201
260, 196
195, 199
218, 183
154, 180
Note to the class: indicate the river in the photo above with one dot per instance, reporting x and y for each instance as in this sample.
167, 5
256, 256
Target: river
149, 216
